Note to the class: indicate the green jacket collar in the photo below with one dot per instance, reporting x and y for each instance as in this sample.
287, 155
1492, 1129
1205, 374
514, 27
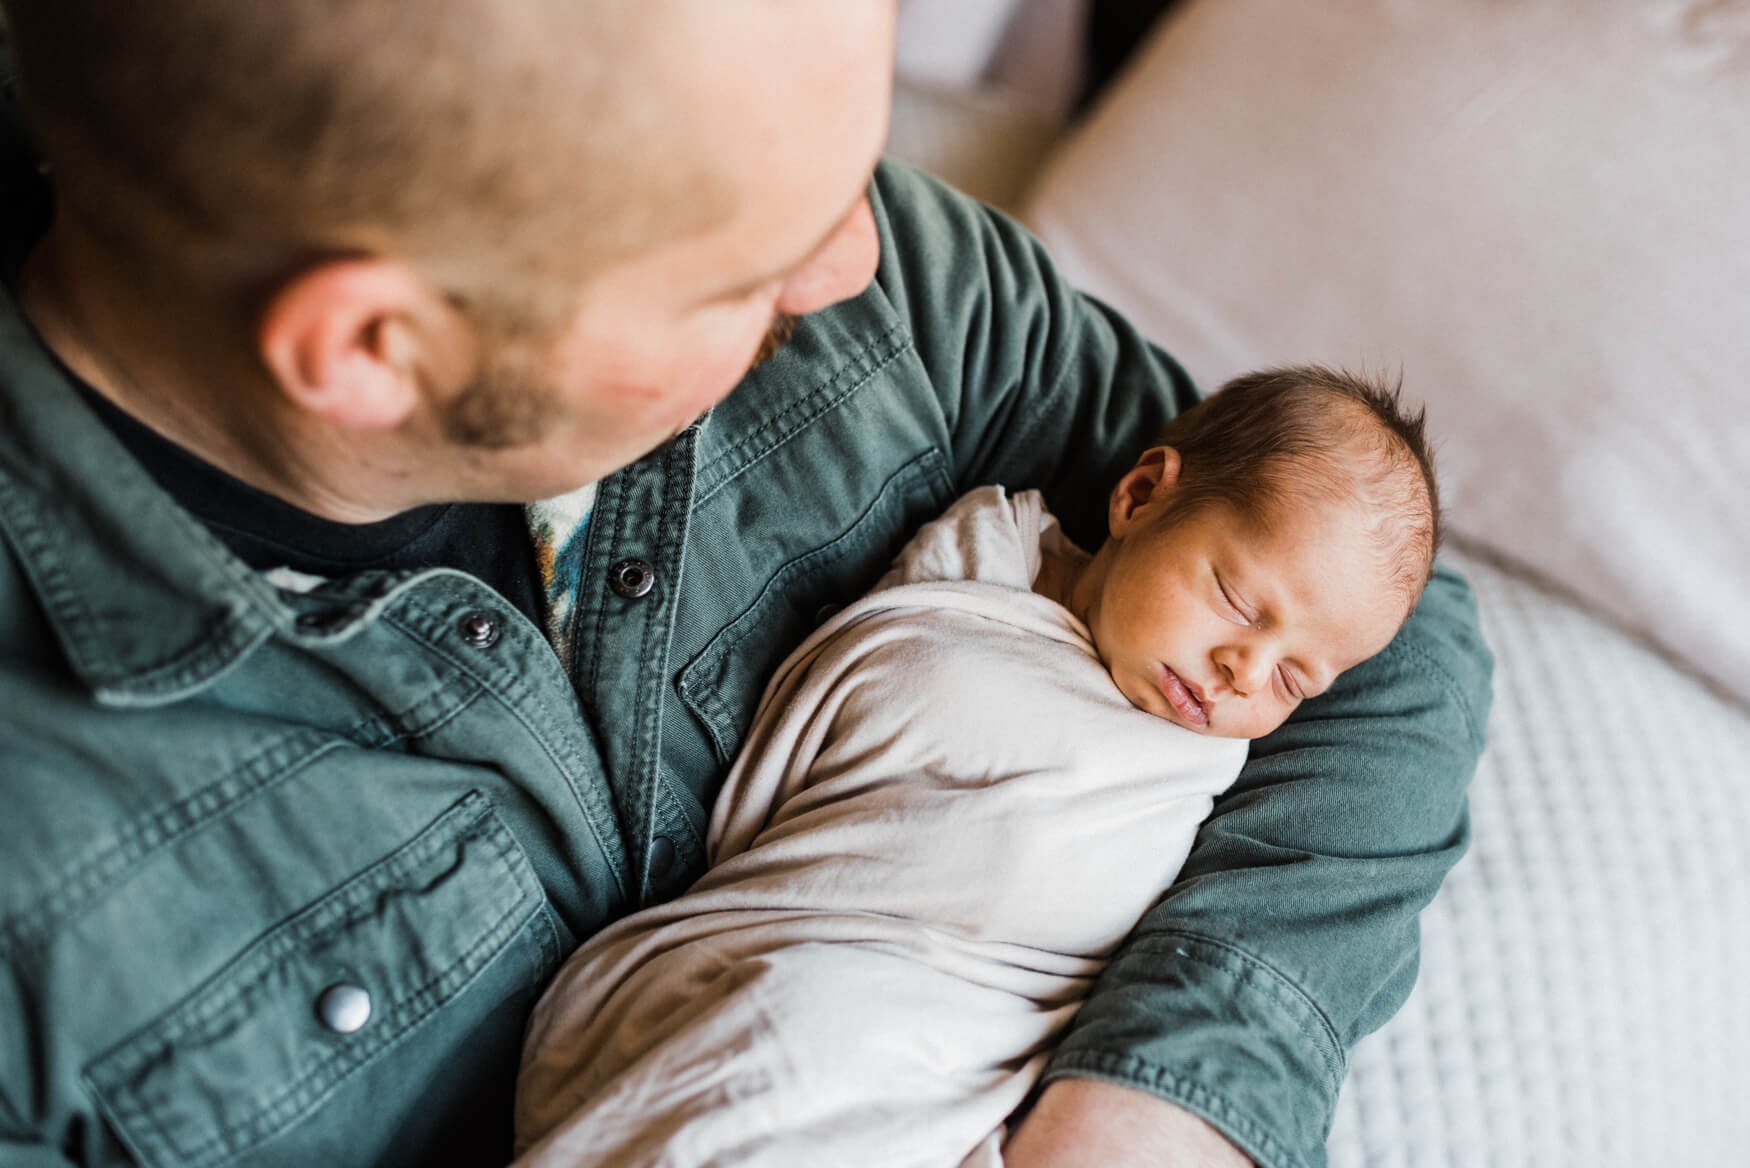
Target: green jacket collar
148, 606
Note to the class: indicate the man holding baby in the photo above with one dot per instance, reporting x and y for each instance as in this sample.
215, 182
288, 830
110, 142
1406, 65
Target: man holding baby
426, 428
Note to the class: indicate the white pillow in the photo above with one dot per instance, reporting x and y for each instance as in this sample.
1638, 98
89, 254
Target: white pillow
950, 43
1536, 210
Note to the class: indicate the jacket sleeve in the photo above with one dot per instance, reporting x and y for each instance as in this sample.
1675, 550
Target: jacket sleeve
1291, 932
1041, 386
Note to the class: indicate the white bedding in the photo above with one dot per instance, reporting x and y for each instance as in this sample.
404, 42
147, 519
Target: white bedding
944, 817
1582, 999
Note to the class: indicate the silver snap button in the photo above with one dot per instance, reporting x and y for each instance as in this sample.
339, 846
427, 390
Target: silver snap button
632, 578
479, 629
344, 1007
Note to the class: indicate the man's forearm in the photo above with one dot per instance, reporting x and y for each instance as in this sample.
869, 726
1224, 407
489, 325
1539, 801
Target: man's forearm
1087, 1121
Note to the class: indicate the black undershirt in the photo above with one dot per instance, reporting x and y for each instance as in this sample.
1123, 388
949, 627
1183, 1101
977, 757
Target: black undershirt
488, 540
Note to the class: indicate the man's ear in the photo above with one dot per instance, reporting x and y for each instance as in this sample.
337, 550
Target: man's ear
1143, 490
346, 341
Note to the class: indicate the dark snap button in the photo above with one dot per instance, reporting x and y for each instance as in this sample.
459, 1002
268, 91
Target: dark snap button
632, 578
479, 629
662, 855
321, 621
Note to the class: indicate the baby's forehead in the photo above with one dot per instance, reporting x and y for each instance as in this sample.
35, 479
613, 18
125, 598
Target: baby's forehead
1381, 496
1339, 553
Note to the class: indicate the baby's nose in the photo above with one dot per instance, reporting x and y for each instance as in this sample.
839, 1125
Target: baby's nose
1246, 671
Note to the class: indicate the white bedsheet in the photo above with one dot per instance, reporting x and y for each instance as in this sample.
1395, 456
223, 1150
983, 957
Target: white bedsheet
944, 817
1582, 996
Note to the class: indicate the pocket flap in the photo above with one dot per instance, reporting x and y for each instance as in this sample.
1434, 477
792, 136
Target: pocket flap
256, 1047
722, 685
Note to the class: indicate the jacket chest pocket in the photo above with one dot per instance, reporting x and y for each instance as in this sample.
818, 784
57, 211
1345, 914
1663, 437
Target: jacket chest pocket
723, 683
453, 921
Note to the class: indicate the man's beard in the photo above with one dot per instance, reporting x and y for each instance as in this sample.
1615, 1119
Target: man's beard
508, 405
504, 406
777, 336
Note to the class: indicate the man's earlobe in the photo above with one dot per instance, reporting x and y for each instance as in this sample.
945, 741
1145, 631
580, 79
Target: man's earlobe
340, 341
1148, 483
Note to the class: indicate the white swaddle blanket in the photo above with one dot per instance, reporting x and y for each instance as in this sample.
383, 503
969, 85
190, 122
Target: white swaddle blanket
944, 818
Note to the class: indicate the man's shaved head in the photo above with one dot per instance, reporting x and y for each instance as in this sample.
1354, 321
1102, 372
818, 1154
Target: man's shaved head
369, 254
501, 146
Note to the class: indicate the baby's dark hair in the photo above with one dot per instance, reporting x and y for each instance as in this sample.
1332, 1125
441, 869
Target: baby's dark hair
1310, 434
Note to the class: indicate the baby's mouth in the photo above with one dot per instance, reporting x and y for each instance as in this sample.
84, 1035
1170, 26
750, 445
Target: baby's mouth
1180, 696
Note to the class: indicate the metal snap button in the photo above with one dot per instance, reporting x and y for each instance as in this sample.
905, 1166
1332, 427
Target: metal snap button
344, 1007
632, 578
479, 629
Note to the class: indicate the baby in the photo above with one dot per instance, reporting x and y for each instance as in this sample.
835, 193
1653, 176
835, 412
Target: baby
962, 792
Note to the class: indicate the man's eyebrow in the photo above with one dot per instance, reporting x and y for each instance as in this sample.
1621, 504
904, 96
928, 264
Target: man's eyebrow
747, 286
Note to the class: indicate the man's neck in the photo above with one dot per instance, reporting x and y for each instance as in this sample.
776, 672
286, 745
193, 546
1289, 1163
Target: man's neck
135, 354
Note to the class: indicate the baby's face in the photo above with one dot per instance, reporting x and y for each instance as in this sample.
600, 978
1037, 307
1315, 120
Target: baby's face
1224, 626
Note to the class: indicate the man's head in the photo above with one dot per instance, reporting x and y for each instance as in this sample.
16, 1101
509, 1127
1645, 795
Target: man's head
546, 233
1280, 536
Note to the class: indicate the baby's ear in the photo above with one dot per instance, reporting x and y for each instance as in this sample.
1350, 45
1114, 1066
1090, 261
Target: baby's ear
1144, 489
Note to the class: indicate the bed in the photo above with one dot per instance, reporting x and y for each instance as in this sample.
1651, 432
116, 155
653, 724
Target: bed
1534, 211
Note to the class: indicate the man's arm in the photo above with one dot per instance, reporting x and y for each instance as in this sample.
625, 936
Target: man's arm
1040, 385
1292, 931
1089, 1121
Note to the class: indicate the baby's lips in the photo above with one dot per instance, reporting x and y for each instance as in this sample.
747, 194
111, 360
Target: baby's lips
1180, 696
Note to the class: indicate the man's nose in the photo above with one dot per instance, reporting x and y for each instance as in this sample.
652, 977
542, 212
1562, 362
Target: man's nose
841, 268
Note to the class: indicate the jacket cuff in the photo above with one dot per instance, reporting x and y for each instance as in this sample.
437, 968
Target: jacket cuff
1215, 1030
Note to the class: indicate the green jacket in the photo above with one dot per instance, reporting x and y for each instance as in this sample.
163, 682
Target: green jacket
233, 816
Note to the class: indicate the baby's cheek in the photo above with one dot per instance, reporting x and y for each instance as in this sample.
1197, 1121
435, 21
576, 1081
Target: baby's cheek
1270, 718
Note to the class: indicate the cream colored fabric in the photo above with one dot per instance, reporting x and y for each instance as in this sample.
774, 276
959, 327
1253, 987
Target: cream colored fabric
944, 817
1536, 209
